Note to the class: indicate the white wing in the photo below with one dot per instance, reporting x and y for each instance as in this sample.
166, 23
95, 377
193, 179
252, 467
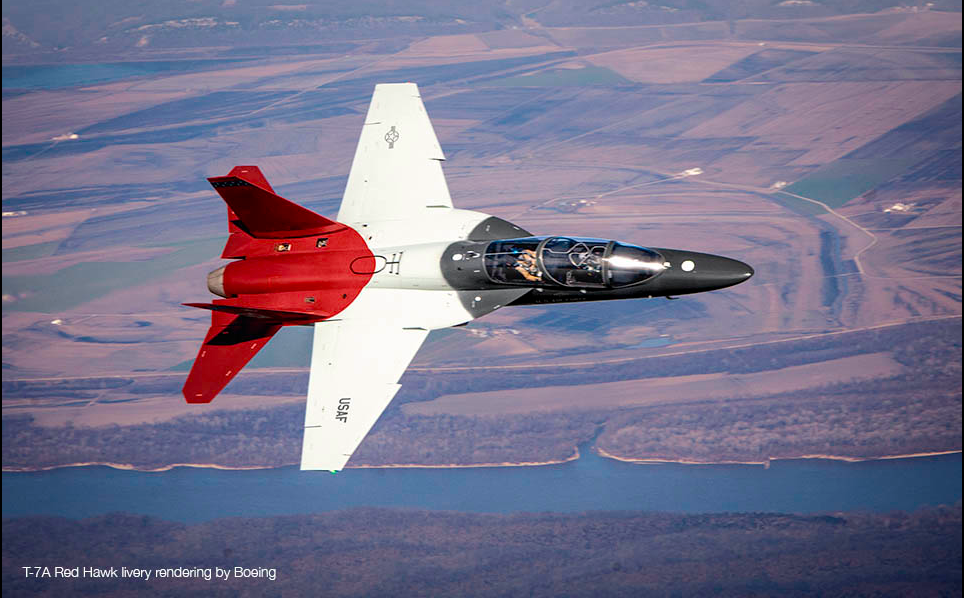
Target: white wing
355, 367
397, 171
396, 195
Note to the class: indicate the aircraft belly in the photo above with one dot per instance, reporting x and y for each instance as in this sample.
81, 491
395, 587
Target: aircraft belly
410, 308
410, 267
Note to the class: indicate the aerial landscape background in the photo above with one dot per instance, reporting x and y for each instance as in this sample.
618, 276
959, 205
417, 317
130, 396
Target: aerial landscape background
819, 142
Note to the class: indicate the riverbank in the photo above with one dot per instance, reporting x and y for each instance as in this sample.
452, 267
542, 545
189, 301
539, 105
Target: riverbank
128, 467
575, 455
766, 463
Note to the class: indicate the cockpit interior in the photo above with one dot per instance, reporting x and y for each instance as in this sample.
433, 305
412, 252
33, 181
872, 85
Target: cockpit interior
570, 262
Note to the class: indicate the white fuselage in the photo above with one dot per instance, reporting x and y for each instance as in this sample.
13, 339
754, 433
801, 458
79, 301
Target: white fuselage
408, 277
410, 267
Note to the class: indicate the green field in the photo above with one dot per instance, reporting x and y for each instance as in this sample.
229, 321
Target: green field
838, 182
289, 348
29, 252
86, 281
800, 206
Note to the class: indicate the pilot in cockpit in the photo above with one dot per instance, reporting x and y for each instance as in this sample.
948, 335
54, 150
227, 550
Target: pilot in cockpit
585, 258
527, 265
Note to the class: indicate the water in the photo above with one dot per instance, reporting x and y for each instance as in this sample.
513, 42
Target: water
590, 483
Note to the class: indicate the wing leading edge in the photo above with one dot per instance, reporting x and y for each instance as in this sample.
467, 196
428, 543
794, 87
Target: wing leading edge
355, 367
397, 172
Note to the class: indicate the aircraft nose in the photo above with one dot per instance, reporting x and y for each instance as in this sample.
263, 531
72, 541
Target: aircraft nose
692, 272
727, 272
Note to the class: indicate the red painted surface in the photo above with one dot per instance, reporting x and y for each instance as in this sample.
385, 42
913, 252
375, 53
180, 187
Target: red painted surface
264, 215
286, 316
230, 344
253, 175
294, 267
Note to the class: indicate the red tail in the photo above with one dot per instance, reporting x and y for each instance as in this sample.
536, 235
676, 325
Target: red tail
230, 344
255, 209
294, 267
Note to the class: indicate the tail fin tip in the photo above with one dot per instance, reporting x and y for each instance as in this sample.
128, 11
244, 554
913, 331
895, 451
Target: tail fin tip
255, 209
251, 174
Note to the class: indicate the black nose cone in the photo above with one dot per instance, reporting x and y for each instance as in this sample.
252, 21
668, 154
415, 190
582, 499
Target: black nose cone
692, 272
725, 272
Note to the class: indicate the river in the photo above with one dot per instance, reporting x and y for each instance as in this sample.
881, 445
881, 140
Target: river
589, 483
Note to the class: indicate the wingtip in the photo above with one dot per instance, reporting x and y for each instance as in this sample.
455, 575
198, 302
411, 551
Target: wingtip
195, 391
191, 395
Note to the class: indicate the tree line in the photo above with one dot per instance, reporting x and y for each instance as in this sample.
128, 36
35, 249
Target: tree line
379, 552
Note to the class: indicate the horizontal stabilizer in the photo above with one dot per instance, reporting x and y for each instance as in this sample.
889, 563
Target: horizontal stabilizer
230, 344
257, 313
264, 215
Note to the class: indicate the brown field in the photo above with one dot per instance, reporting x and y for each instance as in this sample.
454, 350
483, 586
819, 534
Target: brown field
43, 115
660, 391
683, 63
55, 263
531, 155
140, 410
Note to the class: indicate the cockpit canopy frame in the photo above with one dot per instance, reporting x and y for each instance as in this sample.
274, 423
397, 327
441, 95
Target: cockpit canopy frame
571, 262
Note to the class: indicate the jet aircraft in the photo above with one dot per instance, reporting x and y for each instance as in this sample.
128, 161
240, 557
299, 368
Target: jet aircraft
399, 262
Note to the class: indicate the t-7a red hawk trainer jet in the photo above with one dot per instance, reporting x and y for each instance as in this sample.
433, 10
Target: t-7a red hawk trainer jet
399, 262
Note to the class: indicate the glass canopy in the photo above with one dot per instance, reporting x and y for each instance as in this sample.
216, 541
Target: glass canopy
570, 262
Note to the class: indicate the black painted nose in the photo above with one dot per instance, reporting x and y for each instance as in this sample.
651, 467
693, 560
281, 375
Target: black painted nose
722, 272
692, 272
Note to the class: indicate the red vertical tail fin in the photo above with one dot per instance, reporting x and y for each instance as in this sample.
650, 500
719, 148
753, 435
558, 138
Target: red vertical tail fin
259, 212
253, 175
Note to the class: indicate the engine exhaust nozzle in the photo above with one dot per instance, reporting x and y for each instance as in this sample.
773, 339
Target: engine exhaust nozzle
216, 282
